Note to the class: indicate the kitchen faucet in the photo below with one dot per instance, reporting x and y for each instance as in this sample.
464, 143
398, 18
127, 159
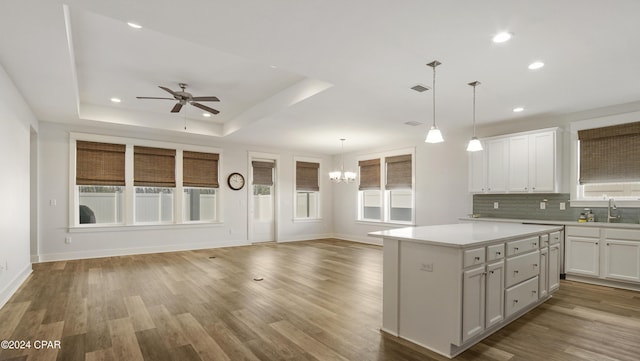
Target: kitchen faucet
612, 207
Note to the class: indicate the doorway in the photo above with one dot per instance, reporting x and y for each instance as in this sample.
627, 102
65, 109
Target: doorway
263, 198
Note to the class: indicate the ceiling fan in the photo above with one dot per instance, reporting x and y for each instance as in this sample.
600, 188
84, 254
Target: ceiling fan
183, 98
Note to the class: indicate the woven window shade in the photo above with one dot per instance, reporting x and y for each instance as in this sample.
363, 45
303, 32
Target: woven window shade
369, 174
200, 169
398, 172
154, 167
99, 163
307, 176
610, 154
262, 173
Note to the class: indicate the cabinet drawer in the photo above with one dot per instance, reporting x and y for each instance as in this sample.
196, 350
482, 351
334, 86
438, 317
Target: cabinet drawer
625, 234
544, 240
474, 257
522, 267
585, 231
495, 252
523, 245
521, 296
554, 238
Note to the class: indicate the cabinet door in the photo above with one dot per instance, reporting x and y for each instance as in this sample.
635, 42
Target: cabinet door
542, 162
622, 260
553, 269
543, 279
519, 163
583, 256
497, 165
477, 172
495, 294
473, 302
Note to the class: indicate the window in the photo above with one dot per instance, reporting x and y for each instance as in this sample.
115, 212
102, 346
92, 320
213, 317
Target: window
100, 182
200, 181
307, 193
391, 201
151, 190
155, 181
609, 162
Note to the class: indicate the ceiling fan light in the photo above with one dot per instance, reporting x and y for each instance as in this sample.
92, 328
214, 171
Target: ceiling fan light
474, 145
434, 135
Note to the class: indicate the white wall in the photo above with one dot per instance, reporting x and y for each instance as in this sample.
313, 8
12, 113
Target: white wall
440, 186
16, 121
54, 222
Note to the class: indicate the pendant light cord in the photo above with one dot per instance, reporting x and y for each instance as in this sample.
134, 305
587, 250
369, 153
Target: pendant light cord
434, 95
474, 110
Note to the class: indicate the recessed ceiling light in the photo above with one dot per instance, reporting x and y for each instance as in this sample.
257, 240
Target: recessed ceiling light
116, 100
518, 109
134, 25
501, 37
273, 66
206, 115
536, 65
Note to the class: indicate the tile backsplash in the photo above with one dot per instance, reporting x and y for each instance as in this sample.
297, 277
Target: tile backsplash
527, 206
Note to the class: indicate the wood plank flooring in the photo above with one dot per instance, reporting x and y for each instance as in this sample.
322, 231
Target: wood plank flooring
319, 300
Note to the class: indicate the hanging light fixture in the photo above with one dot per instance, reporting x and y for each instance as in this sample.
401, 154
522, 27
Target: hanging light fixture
474, 143
341, 176
434, 135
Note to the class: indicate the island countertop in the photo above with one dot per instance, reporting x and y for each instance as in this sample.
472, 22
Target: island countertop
465, 234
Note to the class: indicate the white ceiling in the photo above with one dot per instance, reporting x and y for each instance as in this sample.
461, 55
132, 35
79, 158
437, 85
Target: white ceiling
301, 74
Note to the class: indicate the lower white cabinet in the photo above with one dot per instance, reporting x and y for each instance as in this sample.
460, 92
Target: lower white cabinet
604, 254
543, 278
622, 260
583, 255
473, 310
494, 307
553, 268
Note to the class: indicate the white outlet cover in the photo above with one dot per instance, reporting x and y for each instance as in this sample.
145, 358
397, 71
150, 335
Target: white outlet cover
543, 205
495, 205
562, 206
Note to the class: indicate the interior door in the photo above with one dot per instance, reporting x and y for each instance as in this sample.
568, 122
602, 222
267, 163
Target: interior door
262, 211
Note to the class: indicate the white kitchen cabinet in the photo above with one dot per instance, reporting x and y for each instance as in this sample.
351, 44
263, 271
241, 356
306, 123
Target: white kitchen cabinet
494, 307
622, 260
583, 255
478, 172
543, 278
553, 268
497, 165
473, 312
446, 292
517, 163
543, 162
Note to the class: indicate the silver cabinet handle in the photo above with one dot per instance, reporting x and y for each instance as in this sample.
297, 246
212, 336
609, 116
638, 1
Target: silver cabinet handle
477, 258
515, 301
498, 253
515, 272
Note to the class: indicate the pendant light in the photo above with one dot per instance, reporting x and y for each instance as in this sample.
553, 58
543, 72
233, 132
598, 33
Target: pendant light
474, 143
434, 135
341, 176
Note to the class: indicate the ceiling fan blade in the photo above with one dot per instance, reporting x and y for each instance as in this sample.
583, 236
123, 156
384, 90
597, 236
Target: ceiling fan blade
176, 108
154, 98
205, 99
204, 107
168, 90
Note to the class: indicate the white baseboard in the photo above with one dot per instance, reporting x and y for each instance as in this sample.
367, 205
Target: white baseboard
359, 239
139, 250
12, 287
306, 238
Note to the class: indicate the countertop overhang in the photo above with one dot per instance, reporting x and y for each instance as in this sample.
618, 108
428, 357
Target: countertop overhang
464, 235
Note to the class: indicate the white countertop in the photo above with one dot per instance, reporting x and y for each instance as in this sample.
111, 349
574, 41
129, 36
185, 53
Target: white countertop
465, 234
560, 223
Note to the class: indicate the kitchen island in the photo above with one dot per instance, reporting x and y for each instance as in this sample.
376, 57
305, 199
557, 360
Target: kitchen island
447, 287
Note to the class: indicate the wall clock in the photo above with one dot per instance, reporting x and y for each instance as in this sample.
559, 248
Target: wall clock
235, 181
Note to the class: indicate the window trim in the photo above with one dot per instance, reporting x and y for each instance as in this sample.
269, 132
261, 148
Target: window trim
129, 189
384, 193
295, 191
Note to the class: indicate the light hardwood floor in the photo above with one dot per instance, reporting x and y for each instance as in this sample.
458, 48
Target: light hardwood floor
318, 300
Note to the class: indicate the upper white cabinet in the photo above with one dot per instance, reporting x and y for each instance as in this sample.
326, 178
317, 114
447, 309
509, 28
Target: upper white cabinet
517, 163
